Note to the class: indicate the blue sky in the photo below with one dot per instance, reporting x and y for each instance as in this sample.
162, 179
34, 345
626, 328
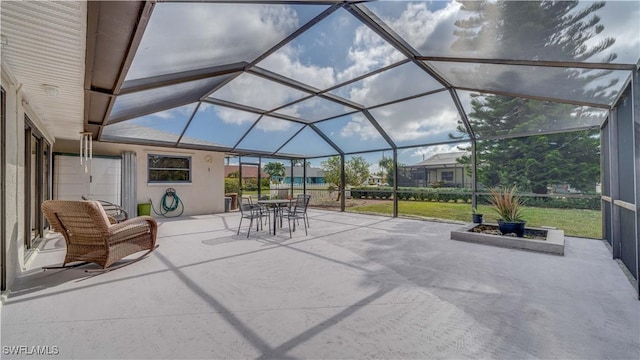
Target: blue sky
219, 125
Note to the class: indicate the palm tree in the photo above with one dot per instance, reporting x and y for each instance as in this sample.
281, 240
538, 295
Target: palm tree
275, 170
386, 168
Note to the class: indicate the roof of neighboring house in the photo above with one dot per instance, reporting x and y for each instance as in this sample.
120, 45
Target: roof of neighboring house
297, 172
441, 160
248, 171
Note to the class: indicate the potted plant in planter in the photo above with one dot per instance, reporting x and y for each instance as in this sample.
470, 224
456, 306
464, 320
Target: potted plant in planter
477, 217
508, 206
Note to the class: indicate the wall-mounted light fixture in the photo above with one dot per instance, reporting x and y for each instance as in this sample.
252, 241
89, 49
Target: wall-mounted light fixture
51, 90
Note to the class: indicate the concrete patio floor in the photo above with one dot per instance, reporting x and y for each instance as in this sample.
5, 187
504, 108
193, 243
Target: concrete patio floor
359, 286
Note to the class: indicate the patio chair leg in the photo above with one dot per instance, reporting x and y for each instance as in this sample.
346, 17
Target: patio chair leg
250, 225
239, 226
289, 221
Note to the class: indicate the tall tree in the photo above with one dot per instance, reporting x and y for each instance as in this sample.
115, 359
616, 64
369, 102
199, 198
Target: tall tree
356, 171
547, 30
275, 170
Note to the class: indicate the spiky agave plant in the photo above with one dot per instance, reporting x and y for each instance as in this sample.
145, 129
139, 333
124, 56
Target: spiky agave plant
507, 204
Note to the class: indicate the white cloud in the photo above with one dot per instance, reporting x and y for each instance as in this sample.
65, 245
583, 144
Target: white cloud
270, 124
361, 128
257, 92
430, 32
435, 125
399, 82
164, 115
183, 112
315, 108
286, 62
367, 53
426, 119
230, 116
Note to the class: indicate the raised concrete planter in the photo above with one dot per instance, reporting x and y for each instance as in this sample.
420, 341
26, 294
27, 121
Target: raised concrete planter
554, 244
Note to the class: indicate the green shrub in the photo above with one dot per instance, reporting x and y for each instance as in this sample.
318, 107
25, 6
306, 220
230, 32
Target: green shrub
564, 202
231, 185
455, 195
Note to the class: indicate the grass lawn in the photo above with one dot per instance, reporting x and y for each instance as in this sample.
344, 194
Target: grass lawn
581, 223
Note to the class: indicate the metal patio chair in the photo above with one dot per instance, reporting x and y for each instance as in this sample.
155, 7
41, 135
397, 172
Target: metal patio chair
251, 211
114, 211
296, 212
305, 200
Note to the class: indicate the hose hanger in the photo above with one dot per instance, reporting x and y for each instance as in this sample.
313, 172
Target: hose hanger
170, 202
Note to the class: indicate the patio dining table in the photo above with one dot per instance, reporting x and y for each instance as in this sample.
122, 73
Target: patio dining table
275, 204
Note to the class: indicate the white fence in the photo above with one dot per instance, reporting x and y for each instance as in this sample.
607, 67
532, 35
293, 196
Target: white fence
317, 191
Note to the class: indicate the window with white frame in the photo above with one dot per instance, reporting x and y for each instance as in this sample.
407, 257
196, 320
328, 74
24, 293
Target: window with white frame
168, 169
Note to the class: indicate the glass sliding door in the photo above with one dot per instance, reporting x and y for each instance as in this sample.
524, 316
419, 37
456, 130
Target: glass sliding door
37, 180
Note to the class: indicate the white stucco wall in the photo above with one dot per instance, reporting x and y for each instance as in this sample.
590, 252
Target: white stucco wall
205, 193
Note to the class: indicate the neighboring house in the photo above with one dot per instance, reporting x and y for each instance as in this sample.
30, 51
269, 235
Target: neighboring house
375, 180
248, 172
439, 170
314, 175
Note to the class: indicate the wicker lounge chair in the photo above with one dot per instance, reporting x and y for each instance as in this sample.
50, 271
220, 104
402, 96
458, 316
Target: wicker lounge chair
92, 237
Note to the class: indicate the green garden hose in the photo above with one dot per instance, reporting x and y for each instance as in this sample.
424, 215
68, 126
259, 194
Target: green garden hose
174, 204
